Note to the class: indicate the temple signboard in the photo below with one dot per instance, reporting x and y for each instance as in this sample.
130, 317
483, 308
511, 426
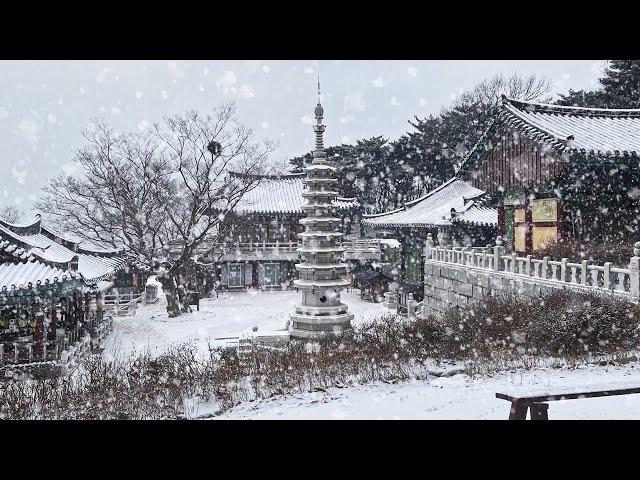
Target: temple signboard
518, 215
544, 237
544, 210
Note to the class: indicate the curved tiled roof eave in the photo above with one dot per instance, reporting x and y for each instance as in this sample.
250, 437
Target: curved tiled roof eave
598, 132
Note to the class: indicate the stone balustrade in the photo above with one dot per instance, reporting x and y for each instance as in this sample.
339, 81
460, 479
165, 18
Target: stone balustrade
460, 275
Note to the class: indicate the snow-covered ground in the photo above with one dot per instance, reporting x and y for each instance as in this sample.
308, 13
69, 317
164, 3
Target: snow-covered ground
226, 316
455, 397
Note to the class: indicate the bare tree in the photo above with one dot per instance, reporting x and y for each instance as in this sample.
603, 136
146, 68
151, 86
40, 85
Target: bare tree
454, 132
11, 213
155, 193
488, 92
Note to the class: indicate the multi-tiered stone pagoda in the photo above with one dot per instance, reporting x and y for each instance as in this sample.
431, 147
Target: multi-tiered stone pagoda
321, 311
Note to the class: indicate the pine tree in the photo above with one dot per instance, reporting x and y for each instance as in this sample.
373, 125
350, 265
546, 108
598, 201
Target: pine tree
621, 84
619, 88
582, 98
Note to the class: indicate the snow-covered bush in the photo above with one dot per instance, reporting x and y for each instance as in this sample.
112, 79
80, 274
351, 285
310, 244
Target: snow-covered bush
499, 330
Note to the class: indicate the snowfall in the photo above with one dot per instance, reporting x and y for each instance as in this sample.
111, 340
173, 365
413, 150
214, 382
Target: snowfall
447, 394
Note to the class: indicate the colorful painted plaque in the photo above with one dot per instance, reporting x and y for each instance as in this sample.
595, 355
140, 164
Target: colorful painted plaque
544, 210
544, 236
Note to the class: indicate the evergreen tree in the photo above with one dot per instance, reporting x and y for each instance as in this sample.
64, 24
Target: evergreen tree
582, 98
621, 84
619, 88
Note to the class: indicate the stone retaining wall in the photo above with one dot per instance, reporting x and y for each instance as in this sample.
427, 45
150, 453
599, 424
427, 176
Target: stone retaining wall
449, 284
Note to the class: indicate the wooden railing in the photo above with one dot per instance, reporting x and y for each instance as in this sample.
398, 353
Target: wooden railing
585, 273
243, 247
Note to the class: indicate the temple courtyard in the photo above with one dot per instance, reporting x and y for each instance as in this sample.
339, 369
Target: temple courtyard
219, 322
447, 394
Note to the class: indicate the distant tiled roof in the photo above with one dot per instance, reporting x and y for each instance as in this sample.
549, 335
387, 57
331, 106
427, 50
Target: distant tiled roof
432, 209
280, 194
477, 215
598, 131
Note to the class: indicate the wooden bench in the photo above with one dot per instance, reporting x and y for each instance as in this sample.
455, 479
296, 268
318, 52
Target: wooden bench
533, 399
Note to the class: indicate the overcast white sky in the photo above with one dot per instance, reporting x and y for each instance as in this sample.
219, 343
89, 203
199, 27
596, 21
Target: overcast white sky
44, 105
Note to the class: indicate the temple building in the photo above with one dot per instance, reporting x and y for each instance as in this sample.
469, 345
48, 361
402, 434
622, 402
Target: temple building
260, 249
321, 272
543, 164
455, 213
50, 291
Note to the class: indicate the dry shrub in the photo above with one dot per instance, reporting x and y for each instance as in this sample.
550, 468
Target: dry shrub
497, 332
597, 251
560, 324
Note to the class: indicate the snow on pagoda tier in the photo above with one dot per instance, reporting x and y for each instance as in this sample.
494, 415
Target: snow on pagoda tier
320, 272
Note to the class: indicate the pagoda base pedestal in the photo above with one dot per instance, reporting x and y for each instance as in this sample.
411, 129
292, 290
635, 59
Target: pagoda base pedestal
311, 326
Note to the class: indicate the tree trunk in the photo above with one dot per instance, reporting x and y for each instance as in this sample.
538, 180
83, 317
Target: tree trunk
170, 288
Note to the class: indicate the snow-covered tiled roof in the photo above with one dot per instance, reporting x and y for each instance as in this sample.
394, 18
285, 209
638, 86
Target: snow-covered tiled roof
432, 209
94, 268
280, 194
477, 215
19, 275
28, 242
83, 245
600, 131
53, 250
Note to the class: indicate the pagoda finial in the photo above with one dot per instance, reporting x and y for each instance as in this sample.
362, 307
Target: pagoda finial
319, 153
319, 110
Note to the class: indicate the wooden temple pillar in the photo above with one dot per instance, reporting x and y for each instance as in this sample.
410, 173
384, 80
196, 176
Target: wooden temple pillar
501, 226
38, 335
71, 312
528, 218
53, 322
98, 301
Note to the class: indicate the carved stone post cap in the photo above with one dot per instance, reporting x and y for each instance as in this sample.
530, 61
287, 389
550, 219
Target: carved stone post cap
636, 249
499, 241
430, 236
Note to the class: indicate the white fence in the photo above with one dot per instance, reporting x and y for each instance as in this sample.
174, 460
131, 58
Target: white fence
121, 304
584, 274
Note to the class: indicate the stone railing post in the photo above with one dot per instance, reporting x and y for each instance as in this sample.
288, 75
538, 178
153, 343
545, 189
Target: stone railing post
583, 272
606, 278
428, 245
563, 269
410, 306
486, 256
545, 267
498, 252
634, 271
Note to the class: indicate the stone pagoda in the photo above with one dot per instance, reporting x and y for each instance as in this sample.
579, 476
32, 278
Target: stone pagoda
321, 311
